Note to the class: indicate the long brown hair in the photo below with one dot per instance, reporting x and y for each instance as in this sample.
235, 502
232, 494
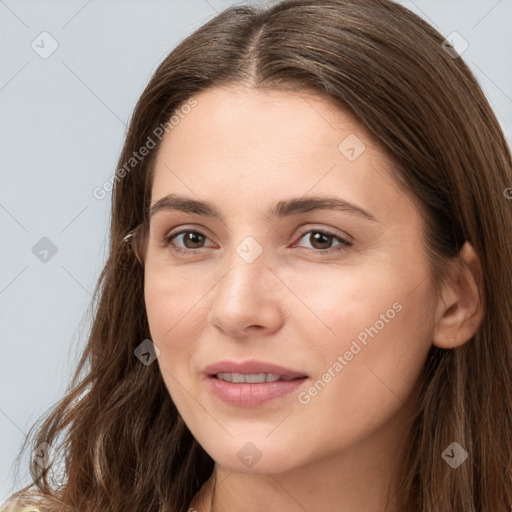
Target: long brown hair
123, 444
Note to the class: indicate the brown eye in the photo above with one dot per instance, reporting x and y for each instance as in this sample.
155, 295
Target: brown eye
193, 238
190, 239
321, 241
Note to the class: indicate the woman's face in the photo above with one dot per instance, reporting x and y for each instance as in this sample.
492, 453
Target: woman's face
251, 279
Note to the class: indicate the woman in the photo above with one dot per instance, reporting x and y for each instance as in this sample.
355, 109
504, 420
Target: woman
339, 337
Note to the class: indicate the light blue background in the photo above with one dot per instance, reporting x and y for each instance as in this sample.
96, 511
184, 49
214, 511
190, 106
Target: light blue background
62, 127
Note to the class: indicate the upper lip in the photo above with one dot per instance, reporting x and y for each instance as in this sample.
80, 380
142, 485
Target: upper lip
251, 367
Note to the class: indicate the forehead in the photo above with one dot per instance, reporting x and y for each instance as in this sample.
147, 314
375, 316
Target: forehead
240, 146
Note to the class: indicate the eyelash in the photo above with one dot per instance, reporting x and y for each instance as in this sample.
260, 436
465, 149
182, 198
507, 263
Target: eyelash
344, 244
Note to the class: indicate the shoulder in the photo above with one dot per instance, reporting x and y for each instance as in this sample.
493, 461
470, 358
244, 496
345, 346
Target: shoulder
16, 506
19, 509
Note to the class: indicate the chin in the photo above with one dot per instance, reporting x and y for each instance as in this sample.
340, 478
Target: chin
253, 455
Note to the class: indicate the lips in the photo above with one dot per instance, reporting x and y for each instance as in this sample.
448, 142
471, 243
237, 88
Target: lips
252, 367
241, 384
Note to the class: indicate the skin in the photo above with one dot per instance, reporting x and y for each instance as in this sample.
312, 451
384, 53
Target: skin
244, 150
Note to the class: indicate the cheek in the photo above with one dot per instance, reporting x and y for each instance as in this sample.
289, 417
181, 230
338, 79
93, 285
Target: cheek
368, 339
381, 346
173, 304
169, 316
338, 304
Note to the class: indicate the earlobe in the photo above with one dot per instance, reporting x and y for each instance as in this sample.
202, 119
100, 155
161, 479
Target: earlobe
461, 306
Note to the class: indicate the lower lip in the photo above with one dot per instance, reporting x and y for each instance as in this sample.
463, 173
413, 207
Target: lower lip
243, 394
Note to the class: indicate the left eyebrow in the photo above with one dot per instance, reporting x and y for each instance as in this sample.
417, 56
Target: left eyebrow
280, 210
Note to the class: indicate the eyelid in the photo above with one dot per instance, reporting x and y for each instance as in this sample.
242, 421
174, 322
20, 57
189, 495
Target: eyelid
328, 231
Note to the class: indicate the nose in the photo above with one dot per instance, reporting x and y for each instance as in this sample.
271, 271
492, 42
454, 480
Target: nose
246, 300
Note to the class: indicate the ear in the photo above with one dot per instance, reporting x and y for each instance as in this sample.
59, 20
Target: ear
461, 307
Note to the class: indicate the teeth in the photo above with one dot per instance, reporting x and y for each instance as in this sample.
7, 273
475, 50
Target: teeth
251, 378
